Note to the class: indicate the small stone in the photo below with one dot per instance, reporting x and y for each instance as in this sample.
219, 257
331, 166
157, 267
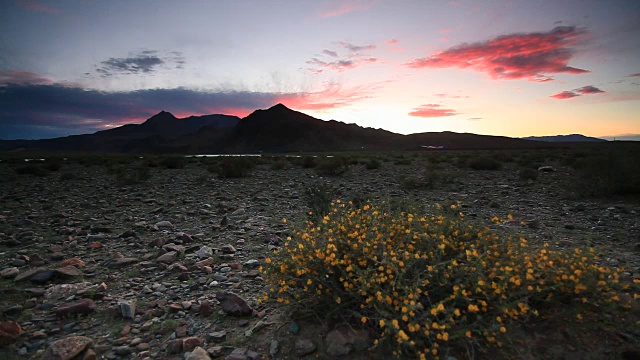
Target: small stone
215, 351
274, 347
143, 347
294, 328
547, 169
68, 271
338, 344
128, 309
217, 336
14, 310
304, 347
174, 346
252, 263
67, 348
9, 332
190, 343
206, 309
198, 354
42, 277
9, 273
569, 226
232, 304
73, 261
122, 350
204, 252
228, 249
165, 225
28, 274
168, 257
243, 323
84, 306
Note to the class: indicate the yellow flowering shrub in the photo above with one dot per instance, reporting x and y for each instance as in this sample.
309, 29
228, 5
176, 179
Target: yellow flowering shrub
423, 283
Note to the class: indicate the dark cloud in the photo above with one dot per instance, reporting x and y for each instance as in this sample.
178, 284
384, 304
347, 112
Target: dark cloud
132, 65
432, 110
23, 77
42, 111
585, 90
530, 56
356, 48
330, 53
38, 7
144, 62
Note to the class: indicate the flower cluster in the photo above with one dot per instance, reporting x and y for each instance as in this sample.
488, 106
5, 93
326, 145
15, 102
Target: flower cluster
425, 282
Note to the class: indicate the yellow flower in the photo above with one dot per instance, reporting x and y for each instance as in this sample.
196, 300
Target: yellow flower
382, 323
267, 260
468, 334
363, 319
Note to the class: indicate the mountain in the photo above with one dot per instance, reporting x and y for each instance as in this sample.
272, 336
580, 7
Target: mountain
274, 130
565, 138
623, 137
151, 135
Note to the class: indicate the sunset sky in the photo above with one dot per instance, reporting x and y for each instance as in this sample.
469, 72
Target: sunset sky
513, 68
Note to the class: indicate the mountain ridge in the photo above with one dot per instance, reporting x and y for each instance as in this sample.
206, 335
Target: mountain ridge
277, 129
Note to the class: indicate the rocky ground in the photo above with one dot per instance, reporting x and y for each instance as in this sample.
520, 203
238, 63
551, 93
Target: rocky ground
157, 269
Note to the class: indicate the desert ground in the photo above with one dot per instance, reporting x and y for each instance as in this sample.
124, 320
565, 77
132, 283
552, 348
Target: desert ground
136, 257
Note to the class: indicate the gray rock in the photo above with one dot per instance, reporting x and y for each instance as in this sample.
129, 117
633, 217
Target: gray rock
304, 347
165, 225
168, 257
338, 344
8, 273
128, 309
122, 350
274, 347
217, 337
204, 252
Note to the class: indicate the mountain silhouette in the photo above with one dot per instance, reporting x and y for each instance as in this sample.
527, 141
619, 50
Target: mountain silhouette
274, 130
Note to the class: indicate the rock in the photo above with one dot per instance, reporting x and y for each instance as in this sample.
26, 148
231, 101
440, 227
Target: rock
67, 348
9, 332
304, 347
168, 257
547, 169
65, 290
204, 252
73, 261
191, 343
9, 273
232, 304
68, 271
13, 310
206, 309
165, 225
217, 336
174, 346
228, 249
569, 226
42, 277
294, 328
198, 354
124, 261
243, 354
128, 309
252, 263
274, 347
215, 351
84, 306
122, 350
28, 274
337, 344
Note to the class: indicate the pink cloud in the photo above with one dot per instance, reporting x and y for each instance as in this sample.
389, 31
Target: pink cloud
345, 8
588, 90
529, 56
585, 90
636, 74
23, 77
332, 97
452, 96
432, 110
37, 7
392, 42
564, 95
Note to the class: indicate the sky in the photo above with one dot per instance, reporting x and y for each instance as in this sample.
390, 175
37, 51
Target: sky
510, 68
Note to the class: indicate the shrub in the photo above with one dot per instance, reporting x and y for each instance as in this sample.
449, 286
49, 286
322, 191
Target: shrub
53, 164
527, 174
233, 167
129, 176
615, 173
425, 283
332, 166
318, 197
279, 164
32, 169
372, 164
308, 162
174, 162
484, 163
